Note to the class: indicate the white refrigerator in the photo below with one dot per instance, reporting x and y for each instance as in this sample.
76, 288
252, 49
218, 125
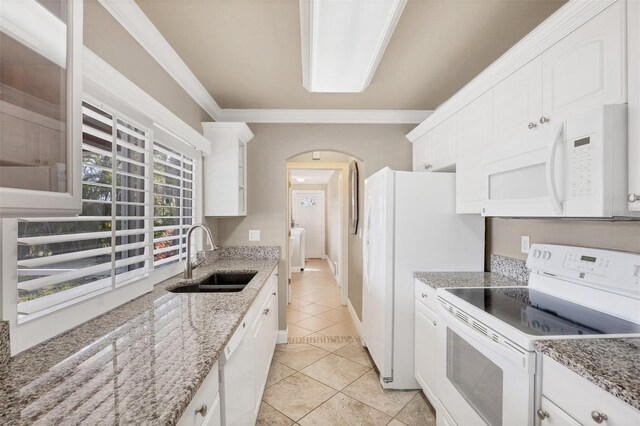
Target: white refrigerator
410, 224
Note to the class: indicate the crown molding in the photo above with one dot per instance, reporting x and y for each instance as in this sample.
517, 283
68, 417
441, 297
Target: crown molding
134, 20
102, 81
326, 116
241, 130
556, 27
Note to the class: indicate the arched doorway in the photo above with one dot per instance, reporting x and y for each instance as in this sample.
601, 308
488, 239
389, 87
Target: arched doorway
318, 180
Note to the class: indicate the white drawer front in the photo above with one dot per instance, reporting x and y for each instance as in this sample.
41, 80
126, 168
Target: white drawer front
552, 415
579, 398
203, 404
426, 295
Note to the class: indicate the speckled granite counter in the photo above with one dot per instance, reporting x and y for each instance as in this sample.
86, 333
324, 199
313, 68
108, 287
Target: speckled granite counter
465, 279
611, 364
140, 363
5, 349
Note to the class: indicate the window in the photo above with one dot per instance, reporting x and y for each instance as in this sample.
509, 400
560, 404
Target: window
62, 260
173, 204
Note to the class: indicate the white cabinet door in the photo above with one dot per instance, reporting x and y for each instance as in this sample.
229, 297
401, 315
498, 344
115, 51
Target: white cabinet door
472, 135
225, 170
633, 43
41, 109
425, 349
441, 149
517, 107
419, 148
586, 69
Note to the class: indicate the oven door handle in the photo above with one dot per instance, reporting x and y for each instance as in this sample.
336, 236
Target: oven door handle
514, 356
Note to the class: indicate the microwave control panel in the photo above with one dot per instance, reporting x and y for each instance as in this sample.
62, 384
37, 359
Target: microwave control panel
581, 168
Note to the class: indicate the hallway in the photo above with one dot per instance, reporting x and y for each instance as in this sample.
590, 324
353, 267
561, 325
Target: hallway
315, 309
324, 376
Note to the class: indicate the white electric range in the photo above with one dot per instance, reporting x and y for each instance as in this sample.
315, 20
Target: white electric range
486, 336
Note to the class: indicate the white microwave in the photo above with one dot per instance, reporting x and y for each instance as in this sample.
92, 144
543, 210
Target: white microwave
573, 168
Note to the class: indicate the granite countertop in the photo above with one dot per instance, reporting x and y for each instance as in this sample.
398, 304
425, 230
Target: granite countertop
612, 364
466, 279
140, 363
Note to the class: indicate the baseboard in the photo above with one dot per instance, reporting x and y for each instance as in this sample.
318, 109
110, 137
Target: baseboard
354, 317
330, 262
283, 336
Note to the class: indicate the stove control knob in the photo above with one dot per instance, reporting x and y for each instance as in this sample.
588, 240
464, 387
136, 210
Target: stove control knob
536, 253
546, 255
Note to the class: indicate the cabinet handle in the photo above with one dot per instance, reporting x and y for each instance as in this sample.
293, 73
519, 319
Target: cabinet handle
598, 417
37, 161
265, 312
544, 120
532, 125
273, 294
435, 323
428, 166
425, 295
202, 410
542, 414
632, 198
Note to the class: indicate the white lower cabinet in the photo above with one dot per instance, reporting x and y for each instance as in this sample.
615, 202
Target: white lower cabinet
246, 359
425, 340
569, 399
204, 408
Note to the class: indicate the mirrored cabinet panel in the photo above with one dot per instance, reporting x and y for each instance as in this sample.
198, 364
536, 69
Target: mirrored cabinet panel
40, 51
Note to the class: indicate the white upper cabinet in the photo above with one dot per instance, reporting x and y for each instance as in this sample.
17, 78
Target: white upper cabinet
441, 148
586, 69
40, 108
419, 149
225, 170
517, 107
472, 136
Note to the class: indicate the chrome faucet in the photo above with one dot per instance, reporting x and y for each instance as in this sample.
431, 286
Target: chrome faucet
188, 266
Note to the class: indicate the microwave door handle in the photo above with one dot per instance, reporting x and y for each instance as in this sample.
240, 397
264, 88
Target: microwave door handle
556, 203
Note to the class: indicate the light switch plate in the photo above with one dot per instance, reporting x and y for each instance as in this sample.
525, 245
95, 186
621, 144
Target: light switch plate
524, 244
254, 235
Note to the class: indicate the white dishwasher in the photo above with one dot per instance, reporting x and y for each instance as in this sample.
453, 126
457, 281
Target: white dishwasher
237, 378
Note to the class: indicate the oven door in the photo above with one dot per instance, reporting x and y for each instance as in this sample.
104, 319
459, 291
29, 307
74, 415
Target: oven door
480, 381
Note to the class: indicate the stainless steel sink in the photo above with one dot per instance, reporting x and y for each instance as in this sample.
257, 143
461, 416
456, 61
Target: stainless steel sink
219, 282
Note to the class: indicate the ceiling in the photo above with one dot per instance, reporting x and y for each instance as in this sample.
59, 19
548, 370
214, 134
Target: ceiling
247, 53
311, 177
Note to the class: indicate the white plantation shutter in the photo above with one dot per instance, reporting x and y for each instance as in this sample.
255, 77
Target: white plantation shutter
173, 204
109, 245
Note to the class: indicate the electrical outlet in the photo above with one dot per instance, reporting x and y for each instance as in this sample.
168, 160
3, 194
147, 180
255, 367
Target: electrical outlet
254, 235
524, 244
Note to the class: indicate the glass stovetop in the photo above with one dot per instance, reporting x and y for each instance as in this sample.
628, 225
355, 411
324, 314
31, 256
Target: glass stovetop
540, 314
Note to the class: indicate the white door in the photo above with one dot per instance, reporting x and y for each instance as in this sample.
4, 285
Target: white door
586, 69
425, 349
517, 107
472, 134
308, 213
442, 148
377, 298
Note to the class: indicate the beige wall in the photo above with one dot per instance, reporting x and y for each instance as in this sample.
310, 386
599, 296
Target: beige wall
377, 145
109, 40
332, 238
503, 235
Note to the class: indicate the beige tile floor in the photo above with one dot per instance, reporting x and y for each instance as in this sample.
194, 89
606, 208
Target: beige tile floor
330, 379
316, 309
